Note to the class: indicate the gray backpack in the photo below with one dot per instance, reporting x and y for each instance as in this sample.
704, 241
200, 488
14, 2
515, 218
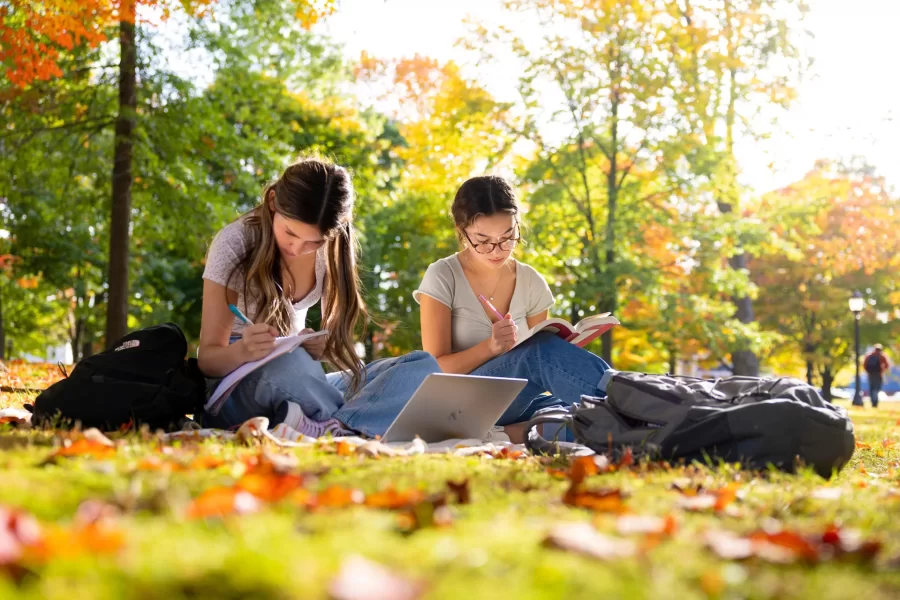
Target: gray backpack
757, 421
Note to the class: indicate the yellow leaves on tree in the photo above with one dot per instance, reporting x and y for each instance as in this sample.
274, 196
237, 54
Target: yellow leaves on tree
453, 127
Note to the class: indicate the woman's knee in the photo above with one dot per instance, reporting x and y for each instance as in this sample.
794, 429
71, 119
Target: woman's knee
294, 364
422, 360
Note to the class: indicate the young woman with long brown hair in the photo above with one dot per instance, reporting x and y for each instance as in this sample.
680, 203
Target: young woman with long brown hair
296, 248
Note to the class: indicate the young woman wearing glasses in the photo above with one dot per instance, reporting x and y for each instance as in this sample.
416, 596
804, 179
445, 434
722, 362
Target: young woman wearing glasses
466, 336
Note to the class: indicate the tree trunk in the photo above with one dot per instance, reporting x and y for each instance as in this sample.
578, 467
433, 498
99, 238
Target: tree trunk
76, 340
673, 361
369, 344
612, 196
2, 329
120, 214
745, 361
827, 380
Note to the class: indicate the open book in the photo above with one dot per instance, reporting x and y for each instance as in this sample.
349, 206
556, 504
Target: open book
283, 345
580, 334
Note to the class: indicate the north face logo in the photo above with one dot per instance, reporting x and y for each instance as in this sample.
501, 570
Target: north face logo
128, 345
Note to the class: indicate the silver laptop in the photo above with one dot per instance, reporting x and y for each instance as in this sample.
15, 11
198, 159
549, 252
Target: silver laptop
448, 406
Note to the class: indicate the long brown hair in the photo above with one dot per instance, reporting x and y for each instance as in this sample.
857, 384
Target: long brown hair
319, 193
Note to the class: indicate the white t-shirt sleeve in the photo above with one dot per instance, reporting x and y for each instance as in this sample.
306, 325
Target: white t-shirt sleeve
540, 298
225, 252
437, 283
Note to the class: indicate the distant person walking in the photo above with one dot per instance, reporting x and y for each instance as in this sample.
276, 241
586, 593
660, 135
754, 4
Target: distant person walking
876, 364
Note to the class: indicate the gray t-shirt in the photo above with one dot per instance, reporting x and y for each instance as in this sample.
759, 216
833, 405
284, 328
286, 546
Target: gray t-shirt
227, 249
469, 324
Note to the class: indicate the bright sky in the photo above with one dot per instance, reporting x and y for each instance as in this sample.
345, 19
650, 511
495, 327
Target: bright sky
849, 102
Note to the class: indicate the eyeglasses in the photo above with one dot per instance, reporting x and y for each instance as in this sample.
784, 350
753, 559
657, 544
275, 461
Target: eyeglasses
488, 247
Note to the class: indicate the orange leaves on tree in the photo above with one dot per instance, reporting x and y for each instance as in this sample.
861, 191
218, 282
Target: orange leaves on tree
32, 41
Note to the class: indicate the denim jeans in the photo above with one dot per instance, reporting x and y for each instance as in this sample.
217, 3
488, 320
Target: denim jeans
296, 377
550, 364
876, 382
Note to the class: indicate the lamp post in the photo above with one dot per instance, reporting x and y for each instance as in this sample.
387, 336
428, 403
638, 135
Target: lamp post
857, 303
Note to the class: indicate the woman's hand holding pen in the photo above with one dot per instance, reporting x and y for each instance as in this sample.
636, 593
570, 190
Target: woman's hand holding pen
258, 341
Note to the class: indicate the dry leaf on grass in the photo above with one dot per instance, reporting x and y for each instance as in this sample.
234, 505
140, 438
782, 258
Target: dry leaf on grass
826, 493
362, 579
222, 502
705, 500
460, 491
786, 546
90, 443
602, 500
646, 525
391, 499
582, 538
270, 487
432, 512
23, 539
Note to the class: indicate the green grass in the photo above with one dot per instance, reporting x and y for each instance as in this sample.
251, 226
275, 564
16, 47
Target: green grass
492, 549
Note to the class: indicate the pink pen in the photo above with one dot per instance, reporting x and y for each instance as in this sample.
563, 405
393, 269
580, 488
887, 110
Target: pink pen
491, 306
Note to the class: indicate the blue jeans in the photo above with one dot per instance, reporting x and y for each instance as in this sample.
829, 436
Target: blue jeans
550, 364
296, 377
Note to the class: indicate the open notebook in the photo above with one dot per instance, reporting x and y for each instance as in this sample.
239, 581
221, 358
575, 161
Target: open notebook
283, 345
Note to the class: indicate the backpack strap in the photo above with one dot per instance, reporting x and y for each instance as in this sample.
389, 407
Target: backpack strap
536, 444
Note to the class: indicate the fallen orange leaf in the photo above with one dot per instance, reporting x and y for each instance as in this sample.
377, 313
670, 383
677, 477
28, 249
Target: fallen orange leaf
391, 499
345, 449
508, 454
796, 544
338, 497
202, 463
863, 445
606, 500
888, 443
269, 487
221, 502
581, 468
84, 447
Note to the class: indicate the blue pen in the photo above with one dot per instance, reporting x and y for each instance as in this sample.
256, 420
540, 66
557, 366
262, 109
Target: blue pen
237, 312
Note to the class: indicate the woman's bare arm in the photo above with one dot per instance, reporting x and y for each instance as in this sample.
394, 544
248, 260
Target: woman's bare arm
436, 339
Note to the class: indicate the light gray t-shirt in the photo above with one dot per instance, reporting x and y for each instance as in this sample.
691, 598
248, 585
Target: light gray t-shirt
469, 324
226, 251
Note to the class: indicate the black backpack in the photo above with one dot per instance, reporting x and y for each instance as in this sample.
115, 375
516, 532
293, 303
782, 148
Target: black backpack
757, 421
143, 379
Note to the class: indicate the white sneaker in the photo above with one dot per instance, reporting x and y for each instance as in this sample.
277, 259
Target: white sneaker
496, 434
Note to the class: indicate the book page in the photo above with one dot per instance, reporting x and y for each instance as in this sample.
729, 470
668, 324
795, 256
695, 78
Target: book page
283, 345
